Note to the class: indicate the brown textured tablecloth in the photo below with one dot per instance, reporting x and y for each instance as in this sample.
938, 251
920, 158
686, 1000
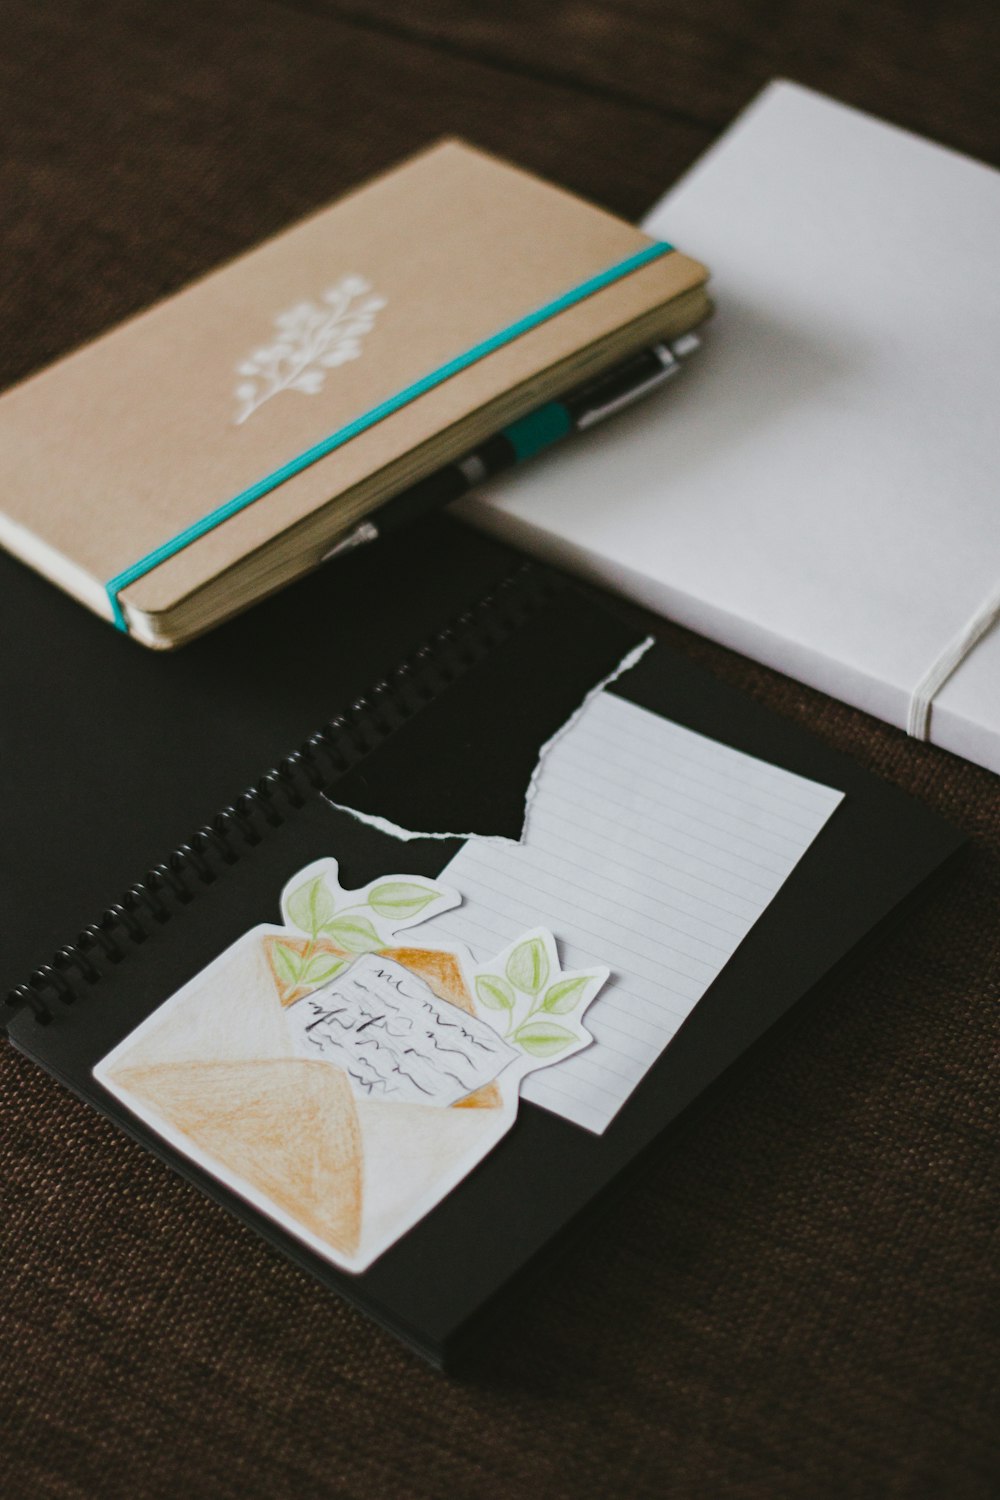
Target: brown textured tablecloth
797, 1300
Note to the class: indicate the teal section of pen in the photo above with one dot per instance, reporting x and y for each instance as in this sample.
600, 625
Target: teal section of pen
538, 430
369, 418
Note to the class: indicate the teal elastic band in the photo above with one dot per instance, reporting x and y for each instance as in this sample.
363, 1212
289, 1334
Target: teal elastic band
375, 414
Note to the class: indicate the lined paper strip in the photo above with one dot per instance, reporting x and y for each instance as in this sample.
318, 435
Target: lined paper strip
647, 848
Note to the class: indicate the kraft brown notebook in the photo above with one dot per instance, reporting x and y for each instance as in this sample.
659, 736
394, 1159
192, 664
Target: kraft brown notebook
202, 455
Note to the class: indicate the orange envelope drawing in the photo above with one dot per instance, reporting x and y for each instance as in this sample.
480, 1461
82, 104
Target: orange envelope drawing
341, 1081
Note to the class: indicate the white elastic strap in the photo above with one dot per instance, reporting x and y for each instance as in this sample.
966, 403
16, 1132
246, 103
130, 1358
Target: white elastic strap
918, 717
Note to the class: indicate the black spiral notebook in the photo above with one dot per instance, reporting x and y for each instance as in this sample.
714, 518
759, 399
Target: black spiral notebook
156, 807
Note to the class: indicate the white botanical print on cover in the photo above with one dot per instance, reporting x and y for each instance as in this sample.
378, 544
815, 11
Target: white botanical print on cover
310, 338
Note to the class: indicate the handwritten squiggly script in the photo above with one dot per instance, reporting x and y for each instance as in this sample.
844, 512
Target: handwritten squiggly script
394, 1038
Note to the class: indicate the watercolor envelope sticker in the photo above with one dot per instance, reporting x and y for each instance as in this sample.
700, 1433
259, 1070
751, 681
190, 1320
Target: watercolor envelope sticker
338, 1080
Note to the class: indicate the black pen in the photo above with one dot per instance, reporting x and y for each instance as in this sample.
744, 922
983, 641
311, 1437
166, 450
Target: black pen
580, 408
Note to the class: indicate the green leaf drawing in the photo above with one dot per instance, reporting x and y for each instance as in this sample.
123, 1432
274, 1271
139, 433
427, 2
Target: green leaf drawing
321, 967
543, 1038
399, 899
356, 934
528, 966
564, 995
311, 906
493, 992
287, 964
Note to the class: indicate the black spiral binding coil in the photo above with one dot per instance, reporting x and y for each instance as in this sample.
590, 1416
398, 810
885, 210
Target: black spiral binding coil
330, 752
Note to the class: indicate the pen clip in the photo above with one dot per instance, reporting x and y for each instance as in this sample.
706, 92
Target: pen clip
670, 363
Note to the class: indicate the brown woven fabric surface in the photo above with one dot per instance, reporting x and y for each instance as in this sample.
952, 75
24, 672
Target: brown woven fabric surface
796, 1300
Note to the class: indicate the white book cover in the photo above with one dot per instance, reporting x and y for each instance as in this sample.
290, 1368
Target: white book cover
820, 488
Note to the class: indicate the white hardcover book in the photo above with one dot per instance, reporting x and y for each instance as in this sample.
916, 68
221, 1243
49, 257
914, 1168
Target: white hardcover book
820, 489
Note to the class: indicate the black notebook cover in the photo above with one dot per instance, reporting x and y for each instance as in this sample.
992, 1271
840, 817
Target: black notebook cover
114, 757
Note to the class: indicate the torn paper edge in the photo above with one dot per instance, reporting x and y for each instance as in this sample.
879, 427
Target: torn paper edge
385, 825
627, 662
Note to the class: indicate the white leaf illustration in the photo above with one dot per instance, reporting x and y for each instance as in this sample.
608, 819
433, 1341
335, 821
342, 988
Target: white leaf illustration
311, 338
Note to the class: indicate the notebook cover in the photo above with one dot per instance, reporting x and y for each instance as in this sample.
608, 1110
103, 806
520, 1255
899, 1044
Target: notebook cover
430, 1288
117, 448
821, 494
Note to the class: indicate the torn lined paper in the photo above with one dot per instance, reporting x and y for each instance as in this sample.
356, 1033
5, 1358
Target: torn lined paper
385, 825
648, 848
